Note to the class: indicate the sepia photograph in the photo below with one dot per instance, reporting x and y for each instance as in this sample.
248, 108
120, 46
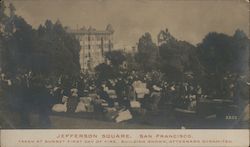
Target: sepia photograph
124, 64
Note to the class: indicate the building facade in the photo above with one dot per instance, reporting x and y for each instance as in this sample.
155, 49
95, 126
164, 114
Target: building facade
94, 43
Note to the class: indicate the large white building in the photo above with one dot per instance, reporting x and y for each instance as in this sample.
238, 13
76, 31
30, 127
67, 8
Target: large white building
94, 43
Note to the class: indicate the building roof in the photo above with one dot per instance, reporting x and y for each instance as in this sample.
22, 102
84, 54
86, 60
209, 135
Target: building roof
109, 30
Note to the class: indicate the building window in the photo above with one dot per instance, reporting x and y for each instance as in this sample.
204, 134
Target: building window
101, 46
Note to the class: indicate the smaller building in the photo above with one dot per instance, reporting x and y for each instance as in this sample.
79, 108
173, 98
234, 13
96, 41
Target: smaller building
164, 37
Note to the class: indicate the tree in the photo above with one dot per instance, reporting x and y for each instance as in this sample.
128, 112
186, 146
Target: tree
148, 53
59, 48
16, 40
177, 57
2, 12
241, 52
132, 65
116, 57
3, 18
220, 53
49, 50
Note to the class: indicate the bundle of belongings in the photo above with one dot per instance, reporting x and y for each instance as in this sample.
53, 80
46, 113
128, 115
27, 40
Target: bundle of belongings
193, 103
135, 104
61, 107
85, 105
140, 89
118, 114
69, 105
74, 103
123, 116
112, 94
245, 114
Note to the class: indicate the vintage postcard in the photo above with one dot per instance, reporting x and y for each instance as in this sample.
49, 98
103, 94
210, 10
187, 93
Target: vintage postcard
124, 73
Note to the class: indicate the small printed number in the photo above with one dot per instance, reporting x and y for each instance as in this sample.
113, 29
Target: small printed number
231, 117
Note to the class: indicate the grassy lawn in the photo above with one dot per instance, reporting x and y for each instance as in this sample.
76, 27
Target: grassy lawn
63, 122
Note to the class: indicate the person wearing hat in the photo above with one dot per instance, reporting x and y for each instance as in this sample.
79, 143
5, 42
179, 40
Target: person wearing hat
104, 95
156, 97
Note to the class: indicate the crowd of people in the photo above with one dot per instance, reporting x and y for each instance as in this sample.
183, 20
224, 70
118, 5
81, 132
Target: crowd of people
28, 91
149, 89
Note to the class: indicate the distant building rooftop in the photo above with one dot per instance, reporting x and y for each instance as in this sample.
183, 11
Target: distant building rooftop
90, 30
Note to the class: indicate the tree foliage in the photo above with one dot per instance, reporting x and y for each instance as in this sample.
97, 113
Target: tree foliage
132, 65
148, 53
177, 56
60, 48
104, 71
116, 57
46, 50
220, 53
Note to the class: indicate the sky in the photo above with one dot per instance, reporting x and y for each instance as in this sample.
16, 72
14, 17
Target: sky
188, 20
